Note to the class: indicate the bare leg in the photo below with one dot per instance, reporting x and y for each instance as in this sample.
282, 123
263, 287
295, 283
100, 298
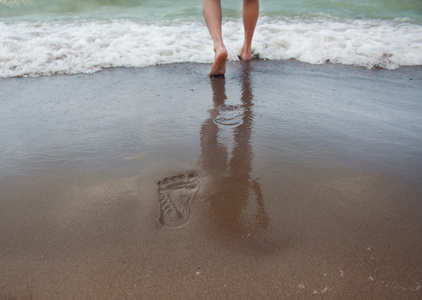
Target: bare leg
250, 17
213, 17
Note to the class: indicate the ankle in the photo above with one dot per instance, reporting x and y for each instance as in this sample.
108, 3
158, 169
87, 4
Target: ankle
219, 48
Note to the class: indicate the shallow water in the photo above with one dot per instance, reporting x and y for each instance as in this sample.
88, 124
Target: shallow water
304, 115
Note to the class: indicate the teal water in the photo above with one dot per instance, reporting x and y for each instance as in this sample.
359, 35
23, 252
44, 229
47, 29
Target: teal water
355, 9
410, 10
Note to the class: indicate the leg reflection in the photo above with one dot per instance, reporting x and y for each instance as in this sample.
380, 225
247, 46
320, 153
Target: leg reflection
232, 191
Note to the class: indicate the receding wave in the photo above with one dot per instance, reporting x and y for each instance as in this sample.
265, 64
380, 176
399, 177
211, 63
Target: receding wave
46, 48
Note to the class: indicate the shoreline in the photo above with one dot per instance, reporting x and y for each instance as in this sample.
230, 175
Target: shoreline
403, 70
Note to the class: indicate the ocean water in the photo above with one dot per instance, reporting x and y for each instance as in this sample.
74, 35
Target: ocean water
46, 37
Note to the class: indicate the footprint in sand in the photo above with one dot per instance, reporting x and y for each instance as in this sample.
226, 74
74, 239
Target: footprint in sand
175, 194
229, 115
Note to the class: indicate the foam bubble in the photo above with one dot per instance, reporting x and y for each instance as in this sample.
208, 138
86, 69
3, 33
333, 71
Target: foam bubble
46, 48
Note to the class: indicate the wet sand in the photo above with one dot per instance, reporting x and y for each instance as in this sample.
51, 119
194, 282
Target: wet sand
282, 181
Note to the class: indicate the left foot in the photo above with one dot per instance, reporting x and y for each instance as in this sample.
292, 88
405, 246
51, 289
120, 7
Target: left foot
219, 66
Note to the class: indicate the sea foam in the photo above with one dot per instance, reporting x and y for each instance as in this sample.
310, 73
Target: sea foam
47, 48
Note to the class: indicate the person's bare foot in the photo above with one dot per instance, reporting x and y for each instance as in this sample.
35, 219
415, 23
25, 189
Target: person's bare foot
219, 66
245, 53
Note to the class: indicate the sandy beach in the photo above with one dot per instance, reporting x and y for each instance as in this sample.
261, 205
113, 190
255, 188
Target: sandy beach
283, 180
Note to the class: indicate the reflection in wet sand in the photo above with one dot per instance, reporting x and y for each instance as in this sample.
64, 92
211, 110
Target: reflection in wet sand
232, 191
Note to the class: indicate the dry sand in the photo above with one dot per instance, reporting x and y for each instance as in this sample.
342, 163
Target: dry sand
282, 181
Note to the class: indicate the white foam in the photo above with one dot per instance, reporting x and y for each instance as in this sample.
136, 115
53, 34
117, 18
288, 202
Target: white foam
33, 49
57, 48
361, 43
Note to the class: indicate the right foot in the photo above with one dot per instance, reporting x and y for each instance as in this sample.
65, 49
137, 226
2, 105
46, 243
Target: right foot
219, 66
245, 53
